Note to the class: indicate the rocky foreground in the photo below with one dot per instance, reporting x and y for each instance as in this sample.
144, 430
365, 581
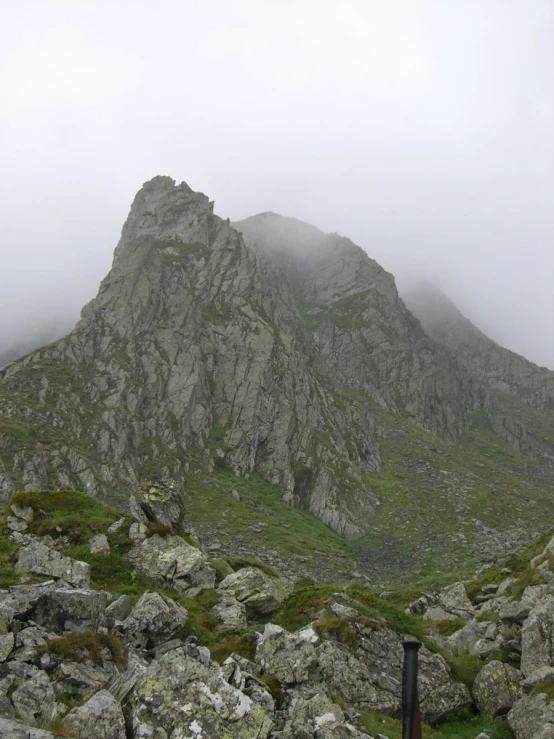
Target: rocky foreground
283, 659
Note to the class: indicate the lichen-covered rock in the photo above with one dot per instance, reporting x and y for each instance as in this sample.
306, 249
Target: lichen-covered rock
99, 544
464, 639
495, 688
253, 589
537, 636
118, 610
100, 717
33, 698
532, 717
6, 645
14, 730
154, 620
316, 716
229, 611
162, 503
516, 611
452, 603
292, 658
41, 560
74, 679
368, 674
173, 562
180, 696
67, 609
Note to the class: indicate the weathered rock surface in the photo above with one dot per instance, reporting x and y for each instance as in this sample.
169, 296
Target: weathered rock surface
100, 717
173, 562
71, 610
537, 636
178, 693
153, 621
15, 730
251, 587
532, 717
495, 688
42, 560
162, 503
366, 674
452, 603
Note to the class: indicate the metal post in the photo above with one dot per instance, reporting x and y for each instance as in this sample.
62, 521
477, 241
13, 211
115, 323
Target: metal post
411, 722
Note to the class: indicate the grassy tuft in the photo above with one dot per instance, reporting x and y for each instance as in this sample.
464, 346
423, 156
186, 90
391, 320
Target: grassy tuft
329, 625
83, 646
274, 686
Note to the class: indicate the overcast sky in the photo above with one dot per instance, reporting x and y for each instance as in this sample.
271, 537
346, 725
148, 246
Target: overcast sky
421, 129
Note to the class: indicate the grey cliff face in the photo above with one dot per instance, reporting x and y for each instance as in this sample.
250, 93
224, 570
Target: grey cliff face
270, 357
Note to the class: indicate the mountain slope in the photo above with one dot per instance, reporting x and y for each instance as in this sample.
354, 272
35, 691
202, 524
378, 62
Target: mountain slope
208, 357
498, 367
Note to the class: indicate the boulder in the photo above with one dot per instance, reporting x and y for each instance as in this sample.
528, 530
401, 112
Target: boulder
6, 645
41, 560
537, 636
532, 717
118, 610
14, 730
162, 503
99, 544
368, 675
292, 658
179, 696
518, 611
100, 717
173, 562
154, 620
229, 611
74, 679
496, 688
463, 640
452, 603
253, 589
66, 609
33, 698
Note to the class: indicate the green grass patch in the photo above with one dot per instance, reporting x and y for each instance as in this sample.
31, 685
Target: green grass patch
302, 606
75, 515
463, 725
465, 668
237, 563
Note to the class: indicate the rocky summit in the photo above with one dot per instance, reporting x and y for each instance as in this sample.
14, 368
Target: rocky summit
247, 474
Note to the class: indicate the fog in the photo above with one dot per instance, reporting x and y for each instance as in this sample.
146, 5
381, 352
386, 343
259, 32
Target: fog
421, 129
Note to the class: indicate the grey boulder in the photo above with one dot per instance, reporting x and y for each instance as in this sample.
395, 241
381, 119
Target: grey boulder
100, 717
41, 560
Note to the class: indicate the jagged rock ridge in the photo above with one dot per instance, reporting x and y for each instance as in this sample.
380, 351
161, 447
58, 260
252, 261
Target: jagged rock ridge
256, 355
498, 367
